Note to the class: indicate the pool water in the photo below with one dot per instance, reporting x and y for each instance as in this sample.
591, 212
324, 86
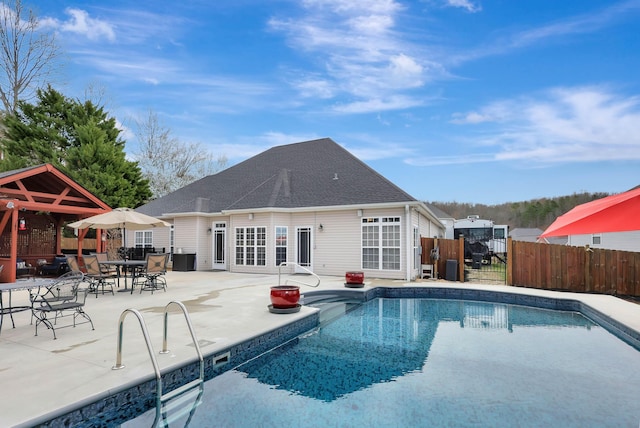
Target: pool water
430, 362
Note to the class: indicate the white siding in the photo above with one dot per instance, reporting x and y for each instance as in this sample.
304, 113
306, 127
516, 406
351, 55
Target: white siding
336, 248
622, 241
160, 237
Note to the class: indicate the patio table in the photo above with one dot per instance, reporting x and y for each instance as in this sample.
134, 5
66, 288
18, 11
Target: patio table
9, 287
125, 265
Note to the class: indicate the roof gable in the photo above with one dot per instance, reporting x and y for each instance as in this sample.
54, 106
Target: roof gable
45, 188
307, 174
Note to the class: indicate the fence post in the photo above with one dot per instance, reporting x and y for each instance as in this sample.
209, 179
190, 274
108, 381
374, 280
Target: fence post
461, 258
436, 260
510, 261
588, 264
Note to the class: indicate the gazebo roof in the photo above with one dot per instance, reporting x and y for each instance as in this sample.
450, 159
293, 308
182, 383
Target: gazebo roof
45, 188
46, 197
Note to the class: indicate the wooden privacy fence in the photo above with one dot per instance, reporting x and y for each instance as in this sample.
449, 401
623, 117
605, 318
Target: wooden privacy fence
72, 244
554, 267
580, 269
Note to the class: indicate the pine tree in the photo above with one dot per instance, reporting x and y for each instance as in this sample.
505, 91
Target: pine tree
78, 138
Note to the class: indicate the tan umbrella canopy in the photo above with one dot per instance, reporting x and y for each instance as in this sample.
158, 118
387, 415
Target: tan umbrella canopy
119, 218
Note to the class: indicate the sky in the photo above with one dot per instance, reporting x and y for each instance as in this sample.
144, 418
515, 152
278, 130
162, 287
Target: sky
476, 101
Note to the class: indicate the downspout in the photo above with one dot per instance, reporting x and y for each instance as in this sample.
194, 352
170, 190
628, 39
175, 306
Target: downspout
408, 242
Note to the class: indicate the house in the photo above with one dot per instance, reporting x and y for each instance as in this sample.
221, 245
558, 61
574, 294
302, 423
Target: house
526, 234
312, 203
622, 241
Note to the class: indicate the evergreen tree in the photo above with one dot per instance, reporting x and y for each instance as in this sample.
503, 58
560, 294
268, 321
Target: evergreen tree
78, 138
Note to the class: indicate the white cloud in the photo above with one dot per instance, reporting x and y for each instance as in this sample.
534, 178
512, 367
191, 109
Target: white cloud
563, 125
398, 102
81, 23
366, 58
579, 24
464, 4
315, 88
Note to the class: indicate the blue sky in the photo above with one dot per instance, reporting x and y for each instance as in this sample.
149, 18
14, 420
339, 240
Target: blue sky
481, 101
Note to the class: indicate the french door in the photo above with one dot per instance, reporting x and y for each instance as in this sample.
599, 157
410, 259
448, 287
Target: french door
303, 248
219, 234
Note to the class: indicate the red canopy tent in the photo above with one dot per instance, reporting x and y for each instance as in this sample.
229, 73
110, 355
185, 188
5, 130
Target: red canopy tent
616, 213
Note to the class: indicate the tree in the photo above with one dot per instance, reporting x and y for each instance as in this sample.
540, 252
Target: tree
27, 55
81, 140
166, 162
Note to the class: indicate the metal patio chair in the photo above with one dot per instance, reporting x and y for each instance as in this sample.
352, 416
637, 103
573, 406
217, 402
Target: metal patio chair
98, 278
60, 299
153, 278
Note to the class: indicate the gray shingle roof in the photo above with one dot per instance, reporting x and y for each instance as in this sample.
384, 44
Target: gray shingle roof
307, 174
17, 171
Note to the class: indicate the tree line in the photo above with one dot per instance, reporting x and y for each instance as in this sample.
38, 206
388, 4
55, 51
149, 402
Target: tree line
534, 213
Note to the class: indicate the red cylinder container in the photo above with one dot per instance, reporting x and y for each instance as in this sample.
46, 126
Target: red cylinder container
285, 296
354, 277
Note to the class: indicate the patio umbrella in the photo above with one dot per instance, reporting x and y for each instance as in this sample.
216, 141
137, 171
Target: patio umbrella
119, 218
616, 213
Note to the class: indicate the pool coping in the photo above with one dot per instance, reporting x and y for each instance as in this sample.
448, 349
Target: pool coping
139, 395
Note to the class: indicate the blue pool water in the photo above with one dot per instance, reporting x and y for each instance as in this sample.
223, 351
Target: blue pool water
431, 362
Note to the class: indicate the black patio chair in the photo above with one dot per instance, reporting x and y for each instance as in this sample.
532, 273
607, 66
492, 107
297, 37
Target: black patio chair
60, 299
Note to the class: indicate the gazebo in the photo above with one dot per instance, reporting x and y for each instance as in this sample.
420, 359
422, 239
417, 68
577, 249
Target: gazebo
35, 202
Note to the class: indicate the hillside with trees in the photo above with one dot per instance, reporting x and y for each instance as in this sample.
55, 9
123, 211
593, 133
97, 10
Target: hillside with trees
538, 213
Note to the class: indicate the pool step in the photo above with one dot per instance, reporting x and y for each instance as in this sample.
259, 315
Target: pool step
332, 309
181, 402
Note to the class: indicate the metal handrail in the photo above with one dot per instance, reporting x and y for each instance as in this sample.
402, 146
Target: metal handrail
145, 333
189, 325
156, 368
294, 280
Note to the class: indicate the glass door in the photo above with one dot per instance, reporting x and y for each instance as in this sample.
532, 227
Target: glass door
303, 248
219, 232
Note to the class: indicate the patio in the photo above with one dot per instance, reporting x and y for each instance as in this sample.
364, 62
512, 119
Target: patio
42, 375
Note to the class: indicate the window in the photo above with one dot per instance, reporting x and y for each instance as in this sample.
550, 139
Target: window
381, 243
144, 238
595, 239
251, 246
281, 244
171, 236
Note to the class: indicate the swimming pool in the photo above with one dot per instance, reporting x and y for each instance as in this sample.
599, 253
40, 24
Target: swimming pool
433, 362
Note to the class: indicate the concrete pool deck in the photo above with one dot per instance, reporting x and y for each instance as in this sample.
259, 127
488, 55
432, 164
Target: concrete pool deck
40, 375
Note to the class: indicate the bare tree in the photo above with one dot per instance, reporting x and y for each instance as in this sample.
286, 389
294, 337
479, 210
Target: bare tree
168, 163
27, 54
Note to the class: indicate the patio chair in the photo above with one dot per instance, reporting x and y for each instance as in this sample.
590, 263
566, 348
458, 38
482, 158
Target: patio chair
103, 257
60, 299
73, 264
98, 279
152, 277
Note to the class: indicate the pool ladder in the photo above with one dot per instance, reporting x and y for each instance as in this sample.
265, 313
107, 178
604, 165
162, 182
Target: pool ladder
175, 401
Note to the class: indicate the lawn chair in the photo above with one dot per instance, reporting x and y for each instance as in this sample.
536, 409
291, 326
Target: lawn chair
97, 277
62, 298
73, 264
152, 278
103, 257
